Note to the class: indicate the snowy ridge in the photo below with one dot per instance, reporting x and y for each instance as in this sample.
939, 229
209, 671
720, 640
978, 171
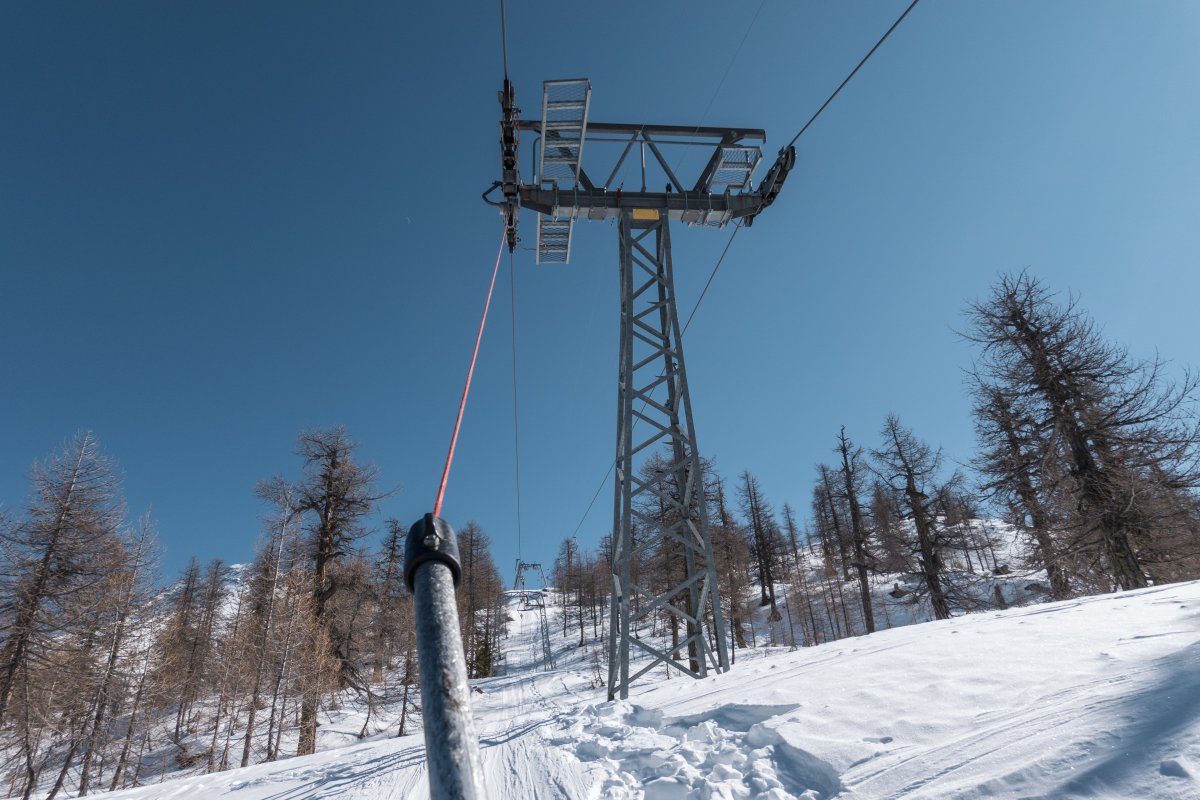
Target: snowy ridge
1097, 697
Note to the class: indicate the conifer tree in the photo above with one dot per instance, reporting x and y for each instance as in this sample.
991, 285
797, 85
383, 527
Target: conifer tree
733, 558
910, 468
125, 590
336, 494
54, 557
763, 535
569, 576
851, 477
1057, 402
265, 587
478, 596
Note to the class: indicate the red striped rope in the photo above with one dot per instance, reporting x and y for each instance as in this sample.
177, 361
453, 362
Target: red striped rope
437, 506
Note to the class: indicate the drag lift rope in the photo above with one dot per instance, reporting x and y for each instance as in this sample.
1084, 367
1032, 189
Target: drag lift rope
462, 405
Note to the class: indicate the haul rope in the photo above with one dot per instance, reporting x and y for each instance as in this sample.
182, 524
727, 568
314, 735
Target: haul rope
441, 494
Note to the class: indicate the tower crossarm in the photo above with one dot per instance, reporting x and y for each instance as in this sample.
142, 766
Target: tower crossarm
599, 204
721, 194
562, 191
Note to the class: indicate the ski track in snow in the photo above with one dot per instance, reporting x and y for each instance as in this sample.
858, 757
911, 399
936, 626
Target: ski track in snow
1097, 697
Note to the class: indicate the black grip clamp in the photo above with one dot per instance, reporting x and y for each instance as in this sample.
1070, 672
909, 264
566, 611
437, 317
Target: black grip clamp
431, 539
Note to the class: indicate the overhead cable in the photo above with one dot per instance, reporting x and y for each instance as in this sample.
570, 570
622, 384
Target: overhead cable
512, 283
462, 405
870, 53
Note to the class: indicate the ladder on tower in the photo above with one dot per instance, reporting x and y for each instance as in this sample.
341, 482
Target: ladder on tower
564, 127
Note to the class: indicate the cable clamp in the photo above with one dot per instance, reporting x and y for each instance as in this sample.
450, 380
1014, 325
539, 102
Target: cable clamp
431, 539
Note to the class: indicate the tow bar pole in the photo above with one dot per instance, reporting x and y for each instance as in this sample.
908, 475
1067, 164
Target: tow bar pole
432, 571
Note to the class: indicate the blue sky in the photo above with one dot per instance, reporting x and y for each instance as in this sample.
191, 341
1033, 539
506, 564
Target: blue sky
223, 222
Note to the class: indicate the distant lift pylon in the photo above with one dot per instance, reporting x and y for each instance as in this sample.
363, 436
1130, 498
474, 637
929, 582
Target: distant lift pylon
652, 380
539, 602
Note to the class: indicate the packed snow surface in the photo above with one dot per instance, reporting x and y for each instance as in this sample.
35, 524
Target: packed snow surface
1097, 697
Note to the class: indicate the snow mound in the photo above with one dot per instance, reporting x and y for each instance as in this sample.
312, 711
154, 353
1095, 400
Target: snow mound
725, 754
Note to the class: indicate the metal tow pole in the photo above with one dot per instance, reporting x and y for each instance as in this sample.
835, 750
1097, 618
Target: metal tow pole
451, 746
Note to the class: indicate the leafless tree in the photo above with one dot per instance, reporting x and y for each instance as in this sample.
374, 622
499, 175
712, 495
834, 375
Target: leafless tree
851, 479
733, 557
55, 556
910, 467
265, 587
1065, 415
126, 590
758, 514
569, 576
478, 600
335, 496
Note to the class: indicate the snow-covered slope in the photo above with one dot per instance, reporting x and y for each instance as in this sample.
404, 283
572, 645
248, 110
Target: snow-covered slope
1098, 697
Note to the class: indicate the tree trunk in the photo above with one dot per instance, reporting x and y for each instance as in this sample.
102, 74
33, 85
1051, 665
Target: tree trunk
307, 744
858, 532
123, 759
931, 562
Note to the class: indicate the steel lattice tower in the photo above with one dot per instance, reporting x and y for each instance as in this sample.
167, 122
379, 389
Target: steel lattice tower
651, 363
654, 410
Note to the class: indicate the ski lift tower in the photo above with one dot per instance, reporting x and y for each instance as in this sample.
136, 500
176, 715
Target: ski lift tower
543, 623
652, 380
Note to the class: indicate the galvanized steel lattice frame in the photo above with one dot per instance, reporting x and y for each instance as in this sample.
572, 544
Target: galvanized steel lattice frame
652, 359
543, 623
722, 193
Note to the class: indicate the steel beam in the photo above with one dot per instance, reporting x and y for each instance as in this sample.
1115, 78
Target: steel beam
691, 207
